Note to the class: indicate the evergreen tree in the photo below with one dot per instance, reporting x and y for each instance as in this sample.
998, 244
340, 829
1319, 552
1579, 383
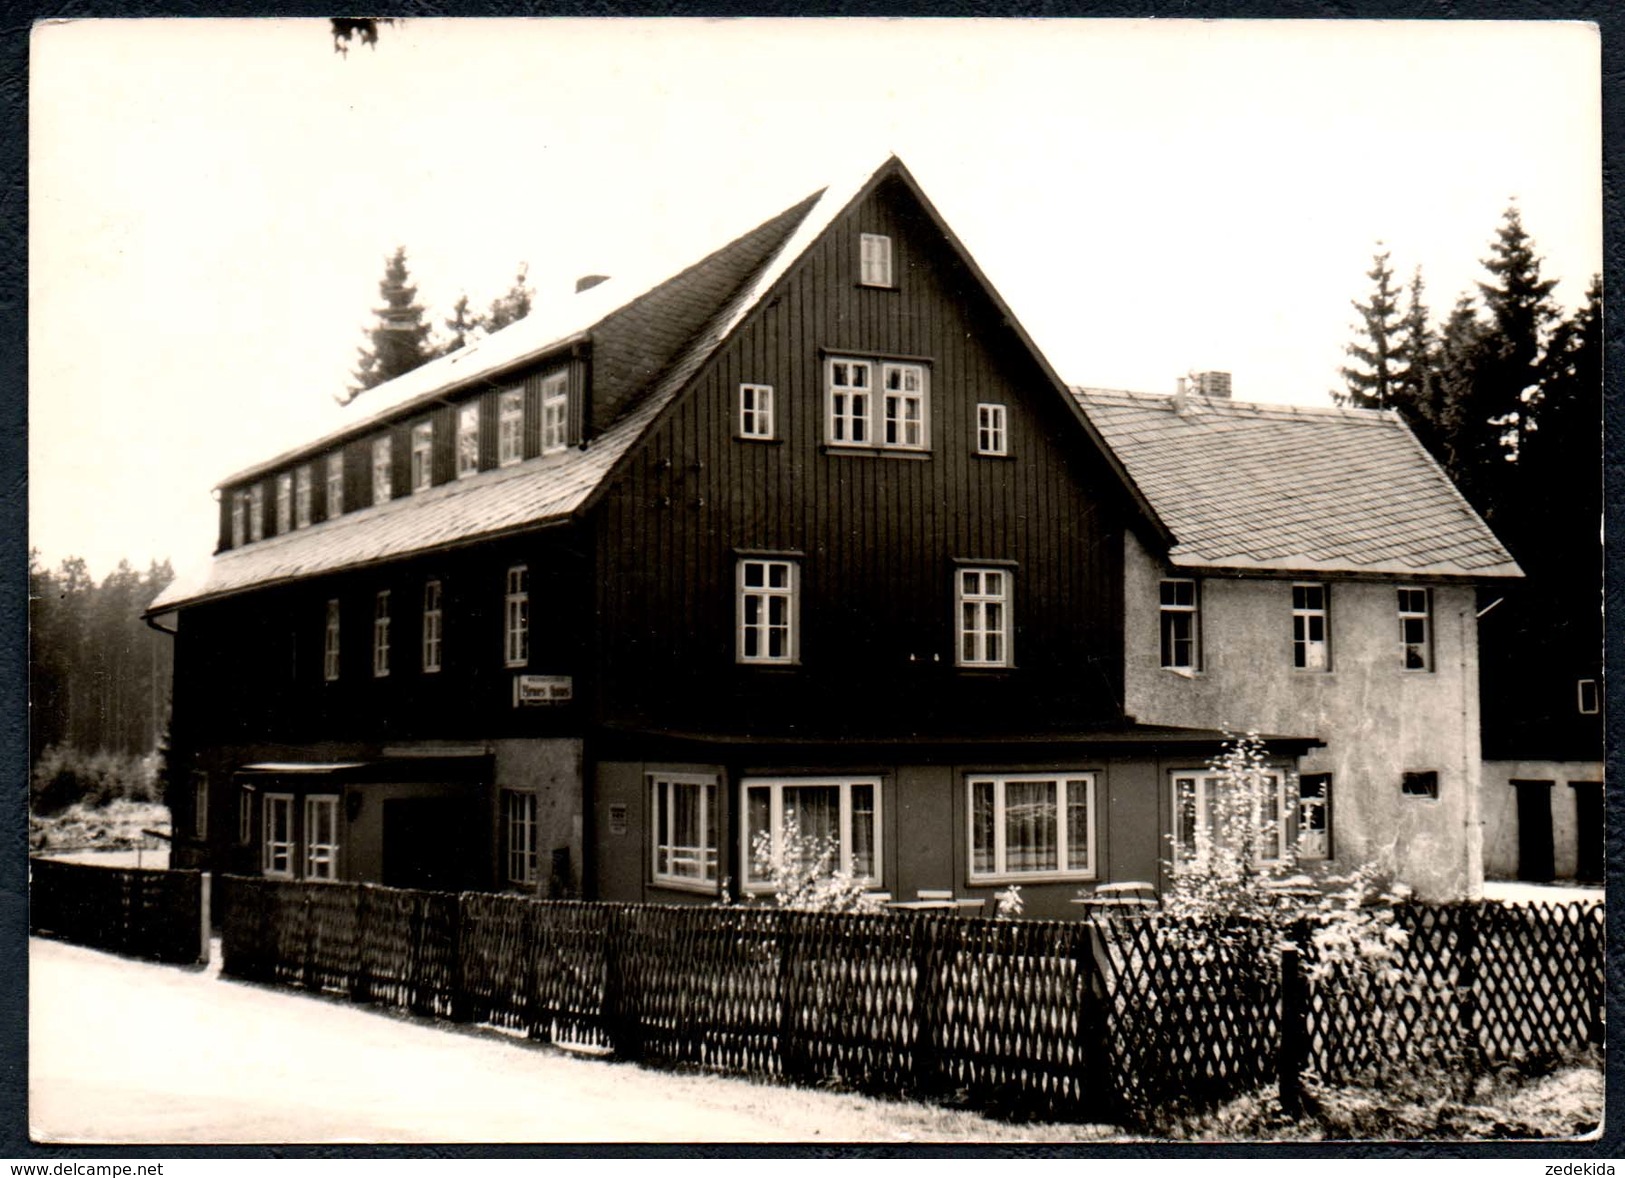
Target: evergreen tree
1520, 306
1416, 380
1370, 385
1467, 444
398, 342
461, 327
513, 305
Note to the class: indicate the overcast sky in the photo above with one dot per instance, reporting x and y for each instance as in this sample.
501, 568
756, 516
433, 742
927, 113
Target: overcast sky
212, 201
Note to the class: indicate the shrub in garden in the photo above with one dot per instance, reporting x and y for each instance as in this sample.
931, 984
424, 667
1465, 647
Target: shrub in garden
804, 873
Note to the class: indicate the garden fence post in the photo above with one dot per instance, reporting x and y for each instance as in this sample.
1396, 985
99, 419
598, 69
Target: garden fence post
1094, 1025
1596, 960
1294, 1049
460, 1012
1470, 1026
789, 1059
922, 945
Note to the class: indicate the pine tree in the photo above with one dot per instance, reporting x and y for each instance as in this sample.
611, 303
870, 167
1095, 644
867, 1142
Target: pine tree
1370, 385
1468, 445
1416, 379
1521, 309
514, 305
398, 342
461, 327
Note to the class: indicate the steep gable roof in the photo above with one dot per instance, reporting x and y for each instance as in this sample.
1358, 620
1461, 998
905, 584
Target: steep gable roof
1251, 487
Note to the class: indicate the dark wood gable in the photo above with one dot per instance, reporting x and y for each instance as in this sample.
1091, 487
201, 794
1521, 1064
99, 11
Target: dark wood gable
875, 535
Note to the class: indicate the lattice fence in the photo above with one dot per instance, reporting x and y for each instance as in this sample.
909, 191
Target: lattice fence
136, 912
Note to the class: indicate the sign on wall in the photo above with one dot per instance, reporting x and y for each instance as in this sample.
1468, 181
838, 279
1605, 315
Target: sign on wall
617, 818
541, 690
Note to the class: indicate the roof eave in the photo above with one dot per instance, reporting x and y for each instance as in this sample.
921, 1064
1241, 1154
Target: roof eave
1290, 567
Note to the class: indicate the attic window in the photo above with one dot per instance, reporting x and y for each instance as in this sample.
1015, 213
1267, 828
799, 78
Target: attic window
239, 518
468, 439
510, 427
422, 456
1420, 784
555, 413
383, 467
875, 260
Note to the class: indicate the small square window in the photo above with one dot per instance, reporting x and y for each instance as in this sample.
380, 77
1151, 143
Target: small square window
1422, 783
876, 260
755, 411
990, 437
1589, 701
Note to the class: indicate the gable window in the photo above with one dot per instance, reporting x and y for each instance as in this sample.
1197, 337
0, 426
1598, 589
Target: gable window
1423, 783
875, 259
1315, 816
1032, 825
431, 626
767, 611
200, 803
468, 439
843, 811
256, 512
383, 469
301, 497
284, 502
1416, 629
899, 420
1586, 691
904, 406
510, 427
239, 518
1180, 625
983, 611
422, 456
1210, 808
519, 836
335, 485
330, 643
685, 829
555, 413
755, 411
1311, 628
321, 836
990, 430
380, 635
516, 617
850, 395
276, 859
245, 816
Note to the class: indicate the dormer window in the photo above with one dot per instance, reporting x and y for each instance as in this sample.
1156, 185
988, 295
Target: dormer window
468, 439
510, 427
555, 413
256, 512
239, 518
335, 485
284, 502
422, 456
301, 497
383, 469
875, 269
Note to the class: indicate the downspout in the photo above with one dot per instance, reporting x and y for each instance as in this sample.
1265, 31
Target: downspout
1472, 819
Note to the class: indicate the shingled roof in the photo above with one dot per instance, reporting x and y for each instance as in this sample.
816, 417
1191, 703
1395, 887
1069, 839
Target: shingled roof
1251, 487
654, 338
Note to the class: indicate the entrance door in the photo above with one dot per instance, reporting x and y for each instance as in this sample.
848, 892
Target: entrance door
1534, 830
427, 843
1588, 829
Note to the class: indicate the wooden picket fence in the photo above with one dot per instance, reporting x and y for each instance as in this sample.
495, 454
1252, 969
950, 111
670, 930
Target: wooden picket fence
137, 912
1066, 1020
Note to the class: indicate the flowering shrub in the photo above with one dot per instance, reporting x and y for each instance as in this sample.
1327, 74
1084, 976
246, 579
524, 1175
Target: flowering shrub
804, 874
1009, 904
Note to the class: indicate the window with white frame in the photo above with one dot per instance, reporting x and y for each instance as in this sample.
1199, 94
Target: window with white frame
301, 497
245, 816
842, 812
239, 518
276, 859
904, 407
383, 469
284, 502
555, 412
990, 430
982, 609
1032, 825
874, 259
1587, 697
896, 417
767, 611
1315, 816
510, 427
685, 828
851, 395
380, 634
1210, 809
1181, 625
1311, 628
431, 626
755, 411
1416, 629
335, 485
422, 456
519, 837
256, 512
330, 643
516, 617
200, 803
468, 439
321, 836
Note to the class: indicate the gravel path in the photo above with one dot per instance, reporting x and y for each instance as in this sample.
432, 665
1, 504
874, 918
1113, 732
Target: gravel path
128, 1052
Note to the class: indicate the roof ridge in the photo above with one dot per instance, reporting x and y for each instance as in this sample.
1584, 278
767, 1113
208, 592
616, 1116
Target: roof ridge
1222, 404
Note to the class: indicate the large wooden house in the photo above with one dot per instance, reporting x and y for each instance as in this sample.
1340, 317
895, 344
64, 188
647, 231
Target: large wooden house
809, 535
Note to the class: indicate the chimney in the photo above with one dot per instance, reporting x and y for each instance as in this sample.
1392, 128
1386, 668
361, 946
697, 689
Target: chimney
588, 281
1214, 384
1182, 399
